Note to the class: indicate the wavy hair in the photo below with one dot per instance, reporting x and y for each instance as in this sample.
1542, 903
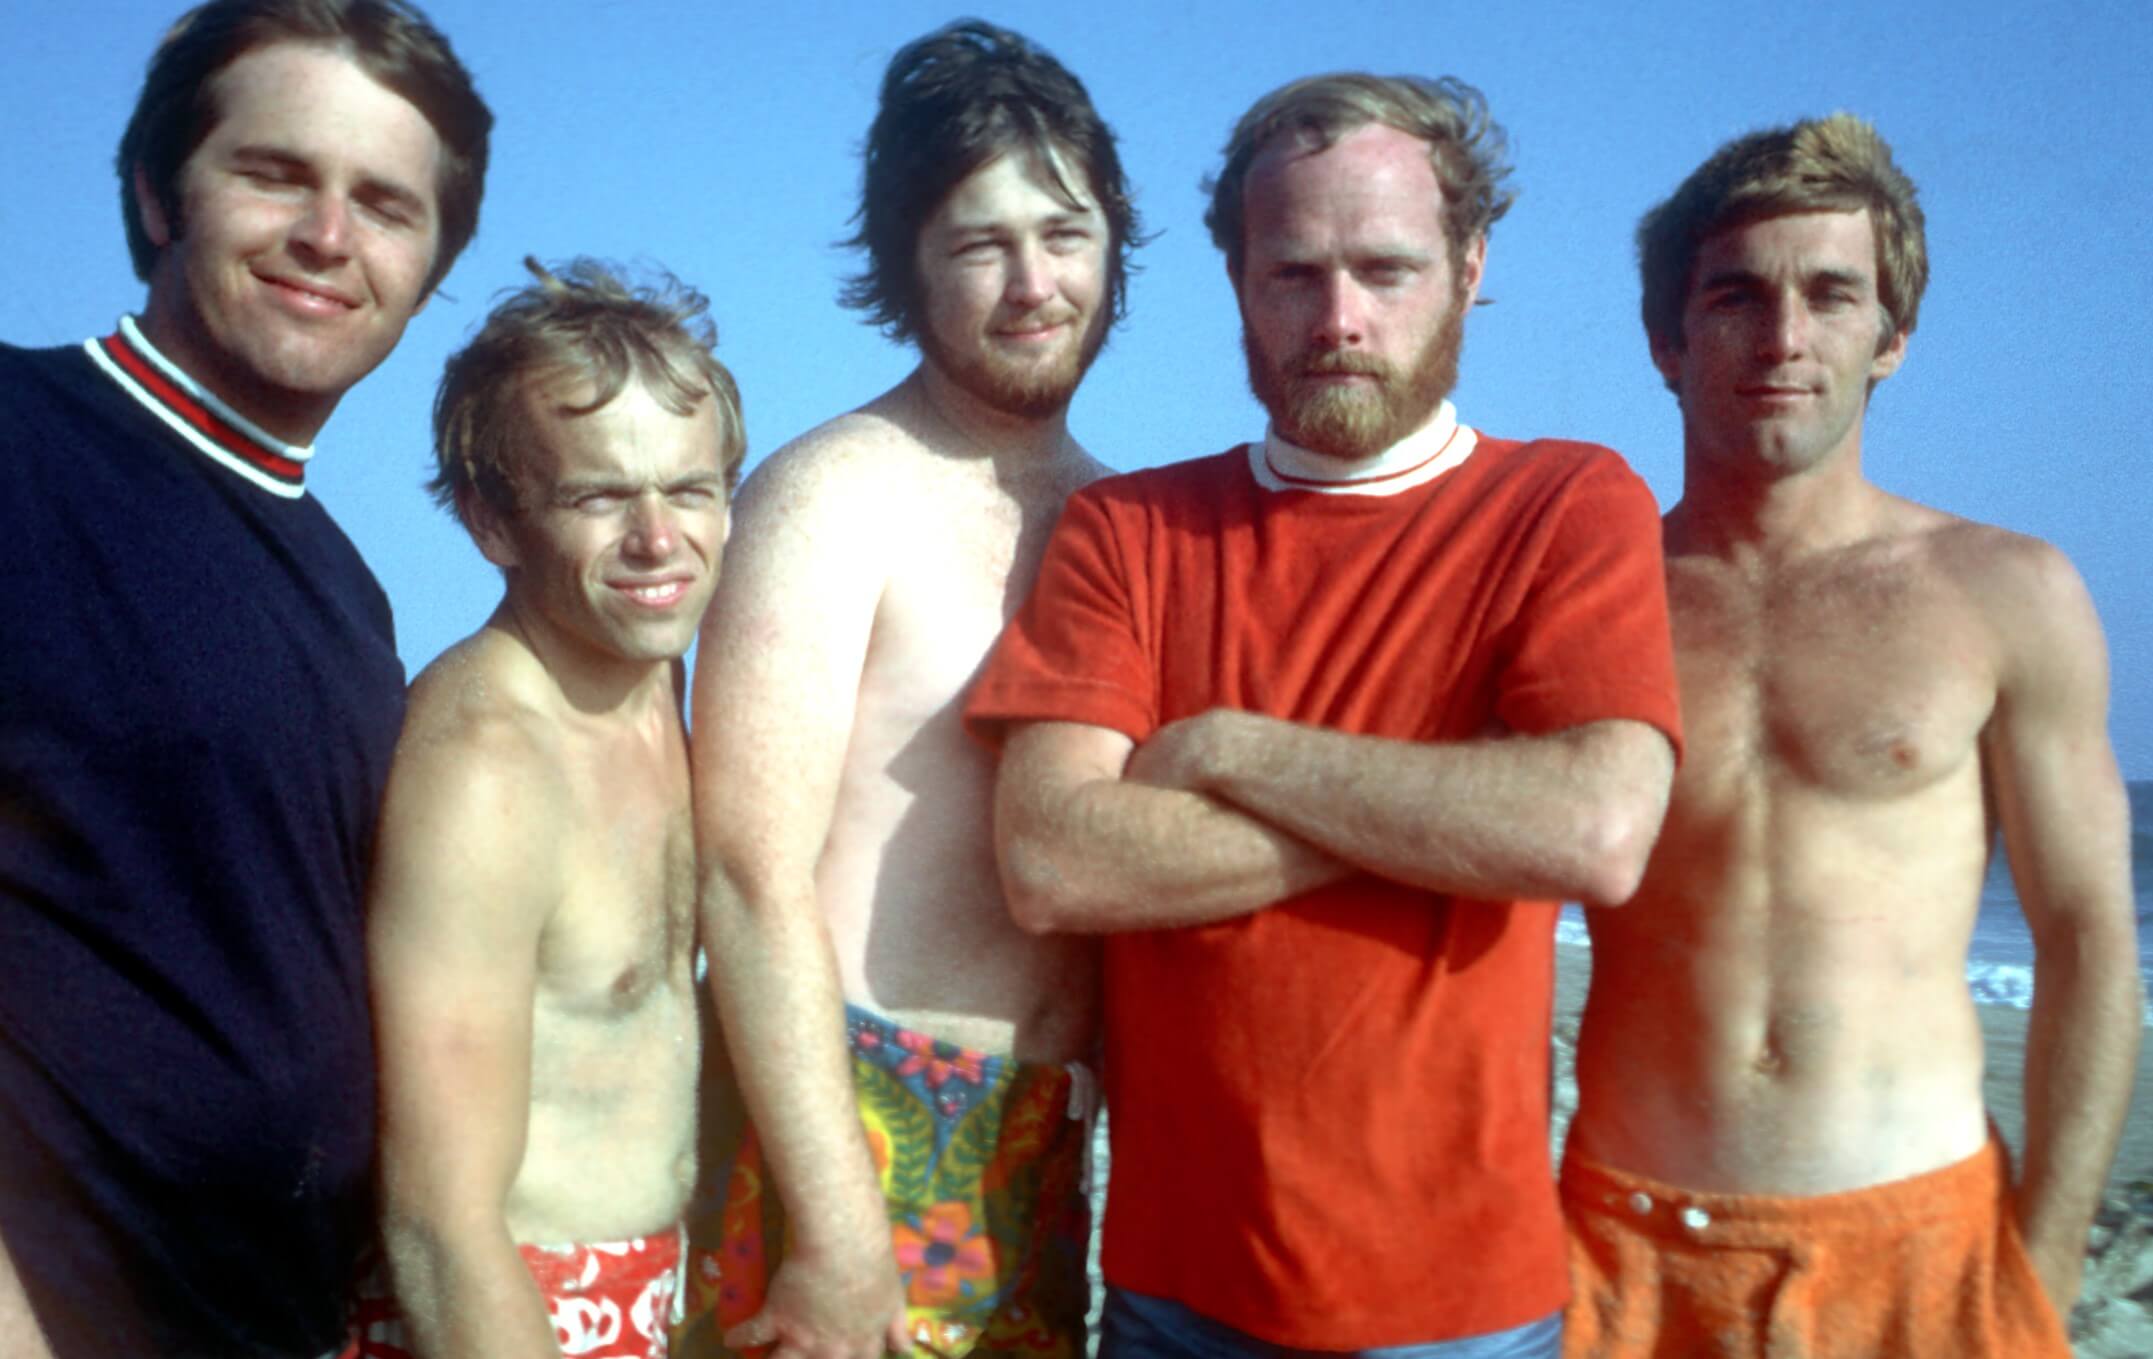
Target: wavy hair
581, 317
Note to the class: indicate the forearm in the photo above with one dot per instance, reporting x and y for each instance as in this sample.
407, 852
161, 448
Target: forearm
1570, 815
2081, 1058
466, 1294
775, 982
1100, 855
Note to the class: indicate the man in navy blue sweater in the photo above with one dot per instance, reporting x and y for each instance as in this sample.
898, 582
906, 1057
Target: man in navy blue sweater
202, 693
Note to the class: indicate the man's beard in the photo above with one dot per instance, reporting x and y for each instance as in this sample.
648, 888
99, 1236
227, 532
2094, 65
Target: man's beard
1026, 391
1359, 420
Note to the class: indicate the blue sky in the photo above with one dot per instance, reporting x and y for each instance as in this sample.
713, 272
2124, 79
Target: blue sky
720, 140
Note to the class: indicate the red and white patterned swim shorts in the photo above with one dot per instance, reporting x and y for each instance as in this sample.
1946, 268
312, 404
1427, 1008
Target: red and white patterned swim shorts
617, 1300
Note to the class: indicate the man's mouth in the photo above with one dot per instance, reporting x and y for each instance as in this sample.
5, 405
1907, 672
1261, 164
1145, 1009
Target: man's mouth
655, 594
1772, 390
309, 295
1031, 330
1337, 366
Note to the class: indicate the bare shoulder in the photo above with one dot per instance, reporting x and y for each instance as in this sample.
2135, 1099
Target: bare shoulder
480, 758
842, 469
468, 865
2014, 570
2032, 597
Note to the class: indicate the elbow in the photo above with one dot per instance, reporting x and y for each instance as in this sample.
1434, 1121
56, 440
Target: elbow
1038, 894
1618, 814
1055, 884
1613, 845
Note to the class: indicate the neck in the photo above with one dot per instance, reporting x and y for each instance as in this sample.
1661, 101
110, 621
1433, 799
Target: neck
294, 417
1732, 507
970, 428
594, 683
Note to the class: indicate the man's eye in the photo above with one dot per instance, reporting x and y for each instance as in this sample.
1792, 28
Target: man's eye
392, 210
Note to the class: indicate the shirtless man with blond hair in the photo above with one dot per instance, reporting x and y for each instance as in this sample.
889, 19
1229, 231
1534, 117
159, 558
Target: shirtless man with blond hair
893, 1031
1781, 1145
532, 923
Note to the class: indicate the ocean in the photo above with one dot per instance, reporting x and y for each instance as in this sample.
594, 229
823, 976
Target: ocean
1999, 962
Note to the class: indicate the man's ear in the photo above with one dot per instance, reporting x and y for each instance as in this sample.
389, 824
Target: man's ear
1889, 355
1668, 359
1473, 266
156, 223
489, 529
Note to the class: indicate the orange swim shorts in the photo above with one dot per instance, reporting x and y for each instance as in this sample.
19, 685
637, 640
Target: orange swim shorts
1925, 1267
618, 1300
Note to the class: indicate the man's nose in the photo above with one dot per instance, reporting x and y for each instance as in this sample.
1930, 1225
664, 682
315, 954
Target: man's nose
1342, 321
324, 228
651, 530
1031, 275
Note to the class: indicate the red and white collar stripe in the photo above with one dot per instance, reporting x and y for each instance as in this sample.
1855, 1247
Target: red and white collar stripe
1279, 464
195, 413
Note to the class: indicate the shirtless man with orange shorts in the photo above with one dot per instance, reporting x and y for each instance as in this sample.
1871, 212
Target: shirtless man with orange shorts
1781, 1146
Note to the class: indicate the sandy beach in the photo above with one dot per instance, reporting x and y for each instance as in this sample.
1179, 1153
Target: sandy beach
2114, 1316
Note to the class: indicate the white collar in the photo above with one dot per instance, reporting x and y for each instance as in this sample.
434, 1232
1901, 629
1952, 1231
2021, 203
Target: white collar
1279, 464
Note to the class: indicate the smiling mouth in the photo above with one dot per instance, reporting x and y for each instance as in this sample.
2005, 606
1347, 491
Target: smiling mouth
1032, 330
658, 594
309, 295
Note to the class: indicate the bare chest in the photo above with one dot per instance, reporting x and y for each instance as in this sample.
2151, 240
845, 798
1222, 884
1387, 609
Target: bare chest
955, 578
624, 930
1863, 679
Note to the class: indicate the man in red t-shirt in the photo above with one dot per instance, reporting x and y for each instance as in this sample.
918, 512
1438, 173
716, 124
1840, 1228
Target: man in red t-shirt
1316, 730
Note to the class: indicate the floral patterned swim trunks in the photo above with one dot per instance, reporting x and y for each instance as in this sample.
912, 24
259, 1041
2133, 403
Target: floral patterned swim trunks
982, 1167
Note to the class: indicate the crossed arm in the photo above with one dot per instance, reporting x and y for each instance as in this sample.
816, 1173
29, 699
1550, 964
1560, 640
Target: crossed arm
2065, 820
1226, 812
461, 891
776, 685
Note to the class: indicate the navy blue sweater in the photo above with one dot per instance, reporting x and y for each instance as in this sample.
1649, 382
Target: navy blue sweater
199, 698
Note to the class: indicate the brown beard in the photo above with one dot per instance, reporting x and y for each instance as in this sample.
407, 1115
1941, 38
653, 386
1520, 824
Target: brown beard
1354, 424
1028, 393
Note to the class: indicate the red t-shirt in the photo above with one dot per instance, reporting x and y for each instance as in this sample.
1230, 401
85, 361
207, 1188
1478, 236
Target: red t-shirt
1330, 1117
